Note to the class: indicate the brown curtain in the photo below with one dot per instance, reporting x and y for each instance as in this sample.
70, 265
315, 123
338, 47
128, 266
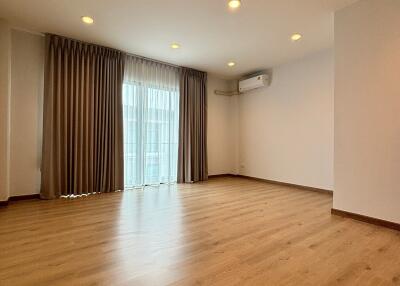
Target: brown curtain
82, 125
192, 156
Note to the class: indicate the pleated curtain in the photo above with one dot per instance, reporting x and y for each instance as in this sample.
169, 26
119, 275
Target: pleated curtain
151, 122
83, 124
192, 155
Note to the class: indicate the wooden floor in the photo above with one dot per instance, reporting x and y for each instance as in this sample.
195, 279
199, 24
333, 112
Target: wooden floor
228, 231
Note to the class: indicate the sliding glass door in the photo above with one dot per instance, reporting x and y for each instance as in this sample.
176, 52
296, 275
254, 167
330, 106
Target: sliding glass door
151, 122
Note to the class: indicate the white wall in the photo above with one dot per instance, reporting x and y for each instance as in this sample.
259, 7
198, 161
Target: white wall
221, 135
5, 93
286, 129
27, 61
21, 91
367, 109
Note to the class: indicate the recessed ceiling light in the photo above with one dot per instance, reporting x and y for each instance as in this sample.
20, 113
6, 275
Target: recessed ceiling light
234, 4
296, 37
175, 46
231, 64
87, 20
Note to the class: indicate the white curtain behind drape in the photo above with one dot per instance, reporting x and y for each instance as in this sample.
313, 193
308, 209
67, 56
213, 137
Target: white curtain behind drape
151, 122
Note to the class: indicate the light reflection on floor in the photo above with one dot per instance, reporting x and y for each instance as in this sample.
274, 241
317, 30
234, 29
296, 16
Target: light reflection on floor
143, 216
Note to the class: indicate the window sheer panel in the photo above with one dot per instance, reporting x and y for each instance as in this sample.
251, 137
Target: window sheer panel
151, 122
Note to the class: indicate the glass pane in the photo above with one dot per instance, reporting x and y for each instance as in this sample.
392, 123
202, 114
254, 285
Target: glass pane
151, 122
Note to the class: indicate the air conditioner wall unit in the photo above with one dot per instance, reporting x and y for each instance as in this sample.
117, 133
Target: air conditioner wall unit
253, 82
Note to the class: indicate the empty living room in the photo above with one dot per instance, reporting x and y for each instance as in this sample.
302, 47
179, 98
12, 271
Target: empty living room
209, 142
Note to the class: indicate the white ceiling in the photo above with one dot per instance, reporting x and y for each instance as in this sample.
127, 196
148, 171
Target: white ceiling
256, 36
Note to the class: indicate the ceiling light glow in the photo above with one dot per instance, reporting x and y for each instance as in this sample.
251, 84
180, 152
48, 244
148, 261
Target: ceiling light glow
87, 20
296, 37
231, 64
175, 46
234, 4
